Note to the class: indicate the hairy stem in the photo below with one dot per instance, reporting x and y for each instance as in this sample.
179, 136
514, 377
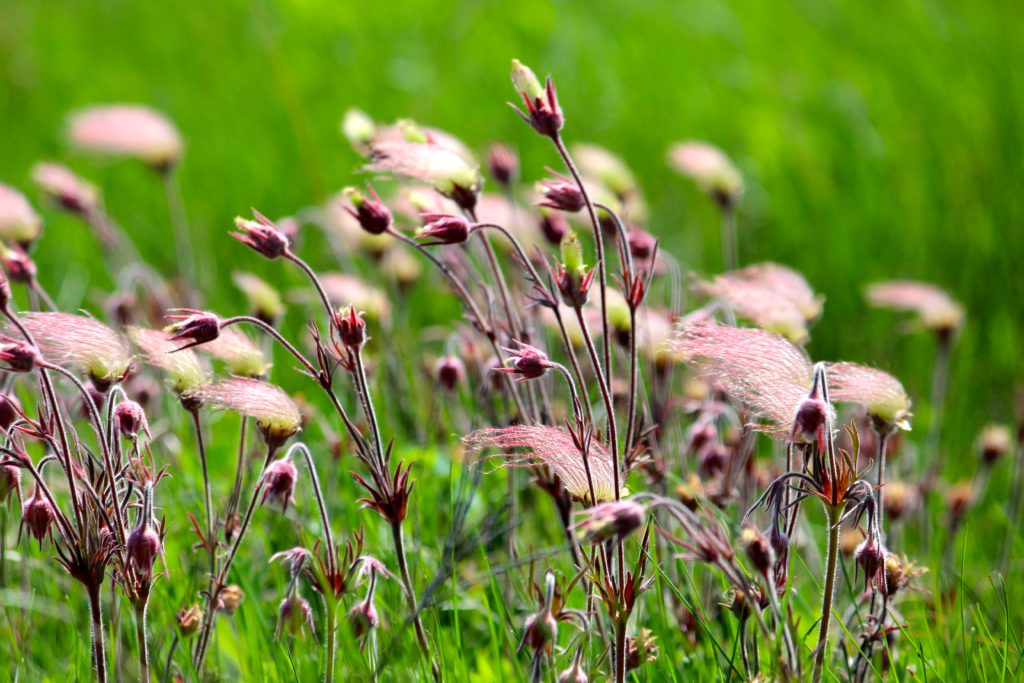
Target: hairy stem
99, 657
410, 598
140, 634
832, 516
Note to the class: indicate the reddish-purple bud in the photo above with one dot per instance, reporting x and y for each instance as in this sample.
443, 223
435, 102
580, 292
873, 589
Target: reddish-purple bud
130, 419
38, 515
503, 164
142, 548
759, 550
10, 481
699, 435
528, 361
449, 372
294, 615
373, 216
614, 520
562, 194
810, 419
553, 226
278, 482
350, 327
543, 112
262, 235
10, 410
19, 266
363, 617
18, 356
870, 558
444, 228
573, 286
712, 459
540, 632
641, 244
5, 292
198, 326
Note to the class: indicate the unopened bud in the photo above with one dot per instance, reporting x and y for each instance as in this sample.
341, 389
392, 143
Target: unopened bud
278, 482
614, 520
189, 620
350, 327
449, 372
502, 162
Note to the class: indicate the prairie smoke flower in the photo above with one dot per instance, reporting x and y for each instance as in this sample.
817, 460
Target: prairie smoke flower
276, 414
189, 620
18, 220
561, 193
10, 410
358, 128
142, 547
126, 130
38, 515
528, 361
278, 482
345, 230
758, 549
296, 559
350, 327
19, 266
264, 301
553, 226
443, 169
609, 170
182, 368
198, 326
899, 573
766, 307
555, 448
231, 598
444, 228
60, 185
261, 235
502, 163
937, 310
373, 216
17, 355
879, 392
710, 168
641, 244
294, 616
543, 112
614, 520
870, 557
994, 442
130, 419
344, 290
239, 352
571, 275
449, 372
81, 343
10, 481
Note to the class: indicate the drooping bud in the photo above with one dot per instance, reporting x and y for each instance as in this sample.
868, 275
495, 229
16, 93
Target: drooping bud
543, 112
641, 244
614, 520
198, 326
231, 598
62, 186
553, 226
189, 620
294, 615
363, 618
10, 410
994, 442
562, 194
38, 515
261, 235
19, 266
503, 164
278, 482
528, 361
449, 372
712, 459
869, 558
759, 550
575, 673
144, 544
373, 216
444, 228
18, 356
350, 327
130, 419
10, 481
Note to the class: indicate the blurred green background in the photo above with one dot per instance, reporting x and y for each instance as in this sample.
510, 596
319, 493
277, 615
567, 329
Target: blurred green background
878, 141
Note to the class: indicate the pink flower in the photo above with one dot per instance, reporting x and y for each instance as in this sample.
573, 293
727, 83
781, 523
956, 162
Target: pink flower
261, 235
442, 168
62, 186
615, 519
712, 170
562, 194
127, 130
882, 394
130, 419
81, 343
937, 310
278, 482
543, 112
18, 356
18, 220
38, 515
294, 616
528, 361
276, 414
182, 366
444, 228
198, 326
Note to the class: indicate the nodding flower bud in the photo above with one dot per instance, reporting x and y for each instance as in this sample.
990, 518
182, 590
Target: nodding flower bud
562, 194
18, 356
614, 520
542, 110
641, 244
809, 420
444, 228
699, 434
994, 442
278, 482
198, 326
575, 673
503, 164
38, 515
19, 266
142, 547
10, 481
261, 235
759, 550
189, 620
10, 410
779, 542
350, 327
449, 372
363, 618
231, 598
294, 615
539, 632
528, 361
373, 216
130, 419
553, 226
869, 558
712, 459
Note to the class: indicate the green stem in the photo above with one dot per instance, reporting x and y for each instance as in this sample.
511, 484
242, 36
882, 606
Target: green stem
832, 516
99, 657
410, 597
330, 644
140, 633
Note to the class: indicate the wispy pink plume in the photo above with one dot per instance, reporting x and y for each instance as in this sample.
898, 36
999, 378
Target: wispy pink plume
554, 447
60, 184
127, 130
785, 282
269, 405
241, 354
79, 342
439, 166
934, 305
184, 372
882, 394
18, 220
762, 371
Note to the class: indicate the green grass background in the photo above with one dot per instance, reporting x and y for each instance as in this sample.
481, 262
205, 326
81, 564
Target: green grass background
879, 140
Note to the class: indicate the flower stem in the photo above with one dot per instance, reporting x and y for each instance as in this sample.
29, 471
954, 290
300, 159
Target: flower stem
331, 641
620, 651
832, 516
140, 632
410, 597
99, 658
729, 247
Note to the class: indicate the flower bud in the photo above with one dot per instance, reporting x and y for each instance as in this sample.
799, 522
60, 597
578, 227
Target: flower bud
373, 216
553, 226
449, 372
278, 482
561, 194
294, 615
994, 442
10, 410
10, 481
189, 620
869, 558
349, 327
198, 326
444, 228
614, 520
38, 515
540, 632
809, 420
130, 419
19, 222
18, 356
502, 163
363, 618
231, 598
758, 549
543, 112
261, 235
900, 498
571, 276
19, 266
142, 547
62, 186
712, 459
641, 244
528, 361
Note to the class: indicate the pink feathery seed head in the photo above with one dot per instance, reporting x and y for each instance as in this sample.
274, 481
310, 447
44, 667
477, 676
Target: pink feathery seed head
527, 361
19, 222
38, 515
276, 414
553, 226
764, 307
19, 266
82, 343
710, 168
543, 112
767, 375
554, 447
240, 353
59, 184
879, 392
130, 419
294, 616
182, 367
444, 169
614, 520
936, 308
261, 235
189, 324
443, 228
502, 163
278, 482
371, 213
785, 282
18, 356
449, 372
350, 327
128, 131
561, 193
10, 480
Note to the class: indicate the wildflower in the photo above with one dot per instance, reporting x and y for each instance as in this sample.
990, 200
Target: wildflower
278, 482
937, 310
556, 448
759, 550
373, 216
881, 393
19, 266
444, 228
358, 128
276, 414
239, 352
231, 598
261, 235
609, 170
184, 373
503, 164
82, 343
528, 361
870, 557
10, 410
994, 442
18, 356
640, 649
294, 616
264, 301
142, 547
350, 327
130, 419
553, 226
762, 306
37, 515
189, 620
449, 372
571, 275
712, 170
10, 481
543, 112
642, 244
442, 168
62, 186
899, 573
344, 289
561, 194
363, 616
575, 673
614, 520
198, 326
295, 559
18, 220
127, 131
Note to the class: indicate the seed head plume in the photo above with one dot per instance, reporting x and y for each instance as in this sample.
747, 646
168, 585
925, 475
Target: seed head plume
239, 352
60, 185
936, 308
554, 447
81, 343
19, 222
276, 414
785, 282
182, 367
442, 168
882, 394
710, 168
127, 131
